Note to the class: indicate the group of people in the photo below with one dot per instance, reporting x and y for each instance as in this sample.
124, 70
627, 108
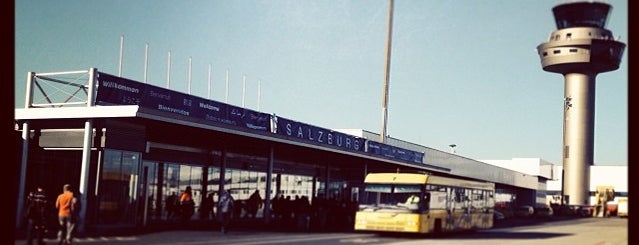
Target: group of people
67, 204
225, 206
322, 213
180, 207
183, 207
38, 211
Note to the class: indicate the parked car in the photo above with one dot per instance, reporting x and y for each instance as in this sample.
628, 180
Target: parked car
498, 215
525, 211
543, 212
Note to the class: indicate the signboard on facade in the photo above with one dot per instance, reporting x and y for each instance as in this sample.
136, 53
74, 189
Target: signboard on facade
323, 136
114, 90
393, 152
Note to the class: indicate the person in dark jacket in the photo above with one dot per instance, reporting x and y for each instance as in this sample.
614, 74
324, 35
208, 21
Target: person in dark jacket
254, 203
37, 213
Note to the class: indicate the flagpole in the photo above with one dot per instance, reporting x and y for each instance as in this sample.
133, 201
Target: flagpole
146, 60
121, 53
168, 71
226, 96
209, 89
189, 76
259, 93
243, 89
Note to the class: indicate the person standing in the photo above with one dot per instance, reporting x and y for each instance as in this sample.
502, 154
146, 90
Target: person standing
254, 204
171, 205
68, 207
187, 205
206, 207
37, 213
225, 210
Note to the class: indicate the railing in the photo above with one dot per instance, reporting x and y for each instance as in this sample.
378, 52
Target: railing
60, 89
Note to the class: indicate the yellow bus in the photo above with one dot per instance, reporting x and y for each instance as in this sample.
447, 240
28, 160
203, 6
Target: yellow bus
423, 203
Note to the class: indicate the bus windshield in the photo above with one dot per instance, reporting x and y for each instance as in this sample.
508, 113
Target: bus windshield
390, 196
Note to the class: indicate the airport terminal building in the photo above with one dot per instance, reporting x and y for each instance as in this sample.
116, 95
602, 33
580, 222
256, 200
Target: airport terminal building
126, 146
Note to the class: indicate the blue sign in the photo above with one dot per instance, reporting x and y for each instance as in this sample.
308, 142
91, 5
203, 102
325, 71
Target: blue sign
119, 91
318, 135
114, 90
393, 152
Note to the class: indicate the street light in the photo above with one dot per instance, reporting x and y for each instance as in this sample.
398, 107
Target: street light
389, 34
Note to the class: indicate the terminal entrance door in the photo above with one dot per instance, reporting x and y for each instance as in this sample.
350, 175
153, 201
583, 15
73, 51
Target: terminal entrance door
118, 192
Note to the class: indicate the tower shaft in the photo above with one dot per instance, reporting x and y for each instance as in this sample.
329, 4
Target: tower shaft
578, 138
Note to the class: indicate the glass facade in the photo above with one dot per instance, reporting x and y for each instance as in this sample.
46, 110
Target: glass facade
125, 180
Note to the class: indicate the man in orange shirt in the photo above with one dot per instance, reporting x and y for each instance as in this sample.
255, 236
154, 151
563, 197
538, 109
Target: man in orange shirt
67, 205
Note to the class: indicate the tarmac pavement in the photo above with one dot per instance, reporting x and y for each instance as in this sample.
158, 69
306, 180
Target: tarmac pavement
103, 234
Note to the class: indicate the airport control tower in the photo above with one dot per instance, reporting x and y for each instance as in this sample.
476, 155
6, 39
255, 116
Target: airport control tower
579, 49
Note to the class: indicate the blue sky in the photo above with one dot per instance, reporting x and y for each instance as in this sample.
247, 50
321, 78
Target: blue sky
462, 72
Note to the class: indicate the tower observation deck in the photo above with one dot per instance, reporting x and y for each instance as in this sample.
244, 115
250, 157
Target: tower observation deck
579, 49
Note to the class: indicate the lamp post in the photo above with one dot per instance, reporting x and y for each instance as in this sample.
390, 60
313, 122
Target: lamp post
389, 35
